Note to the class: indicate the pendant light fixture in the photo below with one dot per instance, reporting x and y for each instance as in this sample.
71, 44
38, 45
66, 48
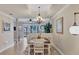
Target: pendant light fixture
39, 21
74, 29
39, 18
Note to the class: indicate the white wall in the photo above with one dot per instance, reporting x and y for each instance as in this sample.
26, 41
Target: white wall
6, 37
67, 43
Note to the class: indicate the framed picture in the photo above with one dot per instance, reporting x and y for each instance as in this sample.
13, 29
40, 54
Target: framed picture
59, 25
6, 26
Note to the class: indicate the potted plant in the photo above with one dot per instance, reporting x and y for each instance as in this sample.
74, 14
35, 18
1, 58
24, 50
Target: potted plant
48, 27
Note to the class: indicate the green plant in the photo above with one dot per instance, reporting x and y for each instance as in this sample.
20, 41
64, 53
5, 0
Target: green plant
48, 27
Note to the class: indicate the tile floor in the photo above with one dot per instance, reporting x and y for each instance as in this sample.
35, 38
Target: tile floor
18, 49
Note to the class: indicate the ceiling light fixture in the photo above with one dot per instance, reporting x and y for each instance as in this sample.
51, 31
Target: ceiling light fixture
74, 29
39, 18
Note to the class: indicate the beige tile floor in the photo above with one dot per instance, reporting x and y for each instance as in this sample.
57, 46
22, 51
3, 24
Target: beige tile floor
18, 49
15, 50
9, 51
12, 51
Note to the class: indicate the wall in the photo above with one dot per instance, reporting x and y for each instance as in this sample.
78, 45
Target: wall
6, 37
67, 43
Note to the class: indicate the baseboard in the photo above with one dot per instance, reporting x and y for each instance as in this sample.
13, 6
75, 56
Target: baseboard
58, 50
6, 47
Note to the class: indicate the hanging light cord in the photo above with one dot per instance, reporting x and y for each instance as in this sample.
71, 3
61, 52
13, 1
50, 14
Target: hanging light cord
74, 17
39, 11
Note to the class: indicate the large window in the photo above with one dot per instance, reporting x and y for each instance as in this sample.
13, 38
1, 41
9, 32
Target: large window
34, 28
31, 26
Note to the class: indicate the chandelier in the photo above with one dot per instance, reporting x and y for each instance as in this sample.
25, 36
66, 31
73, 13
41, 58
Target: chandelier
39, 18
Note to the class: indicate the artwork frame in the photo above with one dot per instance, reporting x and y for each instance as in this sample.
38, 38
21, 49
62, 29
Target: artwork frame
6, 26
59, 25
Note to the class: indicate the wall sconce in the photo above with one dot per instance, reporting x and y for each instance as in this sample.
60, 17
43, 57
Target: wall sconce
74, 29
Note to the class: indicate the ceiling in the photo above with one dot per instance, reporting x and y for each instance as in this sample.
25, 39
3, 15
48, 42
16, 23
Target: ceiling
27, 10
